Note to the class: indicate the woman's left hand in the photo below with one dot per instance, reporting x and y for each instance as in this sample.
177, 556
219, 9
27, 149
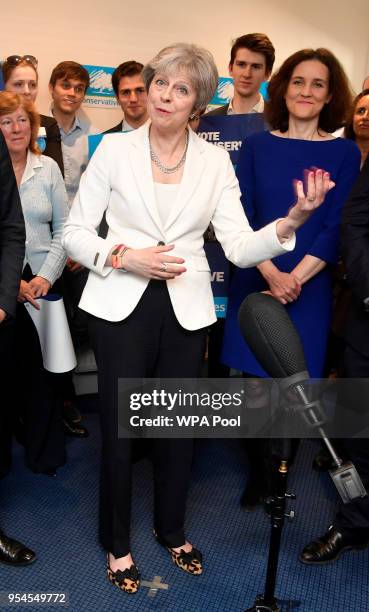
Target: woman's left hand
40, 286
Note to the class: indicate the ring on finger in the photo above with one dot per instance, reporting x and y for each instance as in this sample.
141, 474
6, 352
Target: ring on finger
163, 266
310, 199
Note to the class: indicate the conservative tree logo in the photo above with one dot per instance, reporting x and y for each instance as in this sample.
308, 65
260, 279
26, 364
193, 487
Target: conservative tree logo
100, 93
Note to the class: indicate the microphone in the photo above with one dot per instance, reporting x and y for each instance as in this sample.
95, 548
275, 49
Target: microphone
271, 335
268, 330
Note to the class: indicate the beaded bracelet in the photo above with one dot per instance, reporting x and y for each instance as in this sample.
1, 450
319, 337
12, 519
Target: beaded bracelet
117, 255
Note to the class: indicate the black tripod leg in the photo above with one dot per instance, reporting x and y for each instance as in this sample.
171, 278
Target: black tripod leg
268, 602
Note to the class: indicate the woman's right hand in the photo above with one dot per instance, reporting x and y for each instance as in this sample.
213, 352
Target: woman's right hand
26, 294
153, 262
284, 287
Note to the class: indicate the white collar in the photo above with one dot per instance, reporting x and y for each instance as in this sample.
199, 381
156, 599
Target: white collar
257, 108
33, 162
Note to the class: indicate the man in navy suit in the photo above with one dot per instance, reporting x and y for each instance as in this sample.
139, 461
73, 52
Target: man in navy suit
12, 248
131, 95
350, 529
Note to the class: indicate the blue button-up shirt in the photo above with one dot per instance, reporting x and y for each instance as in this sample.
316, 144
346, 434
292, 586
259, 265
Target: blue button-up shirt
45, 209
75, 154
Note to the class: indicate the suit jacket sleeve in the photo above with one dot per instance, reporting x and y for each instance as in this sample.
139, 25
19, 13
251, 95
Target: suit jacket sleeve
355, 235
12, 233
53, 141
222, 110
54, 263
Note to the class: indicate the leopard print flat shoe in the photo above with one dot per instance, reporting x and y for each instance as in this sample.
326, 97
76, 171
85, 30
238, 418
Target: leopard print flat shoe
190, 562
127, 580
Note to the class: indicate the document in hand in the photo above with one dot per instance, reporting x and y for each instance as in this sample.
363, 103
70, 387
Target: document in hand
53, 332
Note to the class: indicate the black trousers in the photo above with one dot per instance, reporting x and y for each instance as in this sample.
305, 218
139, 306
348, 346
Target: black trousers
148, 343
37, 402
7, 406
355, 515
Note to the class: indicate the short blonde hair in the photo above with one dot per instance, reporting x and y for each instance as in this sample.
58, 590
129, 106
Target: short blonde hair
9, 102
197, 62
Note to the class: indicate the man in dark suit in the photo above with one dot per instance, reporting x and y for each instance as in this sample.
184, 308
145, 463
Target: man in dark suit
251, 63
131, 95
350, 529
12, 248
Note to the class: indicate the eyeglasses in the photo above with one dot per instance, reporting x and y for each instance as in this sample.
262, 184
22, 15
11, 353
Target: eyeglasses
14, 60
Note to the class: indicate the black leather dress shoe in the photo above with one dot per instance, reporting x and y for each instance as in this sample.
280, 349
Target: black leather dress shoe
74, 429
13, 552
330, 546
71, 412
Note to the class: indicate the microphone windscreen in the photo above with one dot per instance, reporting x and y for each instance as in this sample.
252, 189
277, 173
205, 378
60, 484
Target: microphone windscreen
271, 335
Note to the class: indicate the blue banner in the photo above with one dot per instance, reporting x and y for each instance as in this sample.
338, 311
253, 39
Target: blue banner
228, 132
219, 276
224, 92
100, 81
93, 141
100, 93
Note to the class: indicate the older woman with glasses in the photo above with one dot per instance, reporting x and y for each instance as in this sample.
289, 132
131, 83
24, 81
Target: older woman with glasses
21, 77
148, 294
45, 208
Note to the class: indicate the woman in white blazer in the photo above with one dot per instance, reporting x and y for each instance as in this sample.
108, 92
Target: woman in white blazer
148, 293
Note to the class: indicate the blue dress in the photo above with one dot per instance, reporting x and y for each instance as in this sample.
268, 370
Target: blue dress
266, 169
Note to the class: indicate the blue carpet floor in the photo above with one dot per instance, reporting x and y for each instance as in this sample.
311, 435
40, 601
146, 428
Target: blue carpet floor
57, 517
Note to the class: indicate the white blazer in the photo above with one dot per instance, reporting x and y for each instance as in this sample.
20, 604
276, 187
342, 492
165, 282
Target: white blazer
119, 180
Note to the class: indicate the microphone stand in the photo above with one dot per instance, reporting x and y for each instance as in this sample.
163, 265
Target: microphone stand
268, 330
277, 507
345, 478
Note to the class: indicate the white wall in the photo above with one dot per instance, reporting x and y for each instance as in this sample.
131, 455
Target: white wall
111, 31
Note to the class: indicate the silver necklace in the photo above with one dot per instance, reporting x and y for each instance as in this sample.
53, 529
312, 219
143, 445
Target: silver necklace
169, 169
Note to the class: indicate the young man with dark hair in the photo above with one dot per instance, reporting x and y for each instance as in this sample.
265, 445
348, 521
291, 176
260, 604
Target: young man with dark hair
68, 84
131, 95
251, 63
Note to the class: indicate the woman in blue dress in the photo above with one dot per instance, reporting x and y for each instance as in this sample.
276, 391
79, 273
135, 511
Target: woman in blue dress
309, 98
